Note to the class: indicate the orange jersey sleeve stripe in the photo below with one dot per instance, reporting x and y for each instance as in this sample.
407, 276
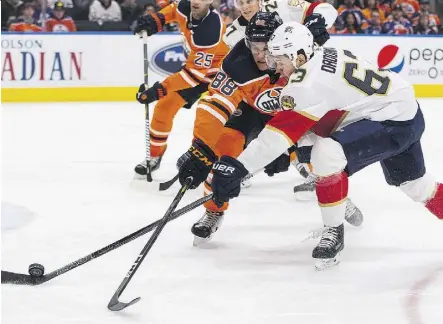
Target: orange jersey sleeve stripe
178, 81
220, 108
208, 124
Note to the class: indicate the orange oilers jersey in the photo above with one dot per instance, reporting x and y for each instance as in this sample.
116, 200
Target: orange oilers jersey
202, 42
239, 80
66, 24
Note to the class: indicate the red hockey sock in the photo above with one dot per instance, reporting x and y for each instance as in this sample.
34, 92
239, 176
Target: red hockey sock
331, 193
332, 190
435, 204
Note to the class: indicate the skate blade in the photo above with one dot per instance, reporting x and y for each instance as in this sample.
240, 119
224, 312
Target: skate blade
353, 215
305, 195
246, 184
355, 220
139, 176
201, 240
323, 264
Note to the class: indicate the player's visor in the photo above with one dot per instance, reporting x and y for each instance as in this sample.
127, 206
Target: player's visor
272, 61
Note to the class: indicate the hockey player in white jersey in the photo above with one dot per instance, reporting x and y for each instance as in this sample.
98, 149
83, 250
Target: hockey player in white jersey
317, 16
383, 124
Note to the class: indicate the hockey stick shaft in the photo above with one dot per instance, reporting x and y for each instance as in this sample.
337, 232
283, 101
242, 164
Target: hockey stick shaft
147, 131
24, 279
114, 303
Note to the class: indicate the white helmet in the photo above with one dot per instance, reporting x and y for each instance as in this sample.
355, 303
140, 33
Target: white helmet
291, 39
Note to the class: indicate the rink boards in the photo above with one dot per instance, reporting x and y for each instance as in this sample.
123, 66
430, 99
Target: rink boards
109, 66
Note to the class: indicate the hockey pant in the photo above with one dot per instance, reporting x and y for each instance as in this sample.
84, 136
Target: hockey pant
164, 113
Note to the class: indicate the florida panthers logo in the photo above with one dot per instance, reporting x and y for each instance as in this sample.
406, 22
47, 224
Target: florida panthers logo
268, 100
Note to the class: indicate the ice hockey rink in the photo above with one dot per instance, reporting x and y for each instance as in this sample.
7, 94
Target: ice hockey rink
67, 190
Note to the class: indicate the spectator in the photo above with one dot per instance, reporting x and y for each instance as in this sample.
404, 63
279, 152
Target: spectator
386, 6
425, 7
397, 24
81, 9
104, 10
371, 6
42, 10
349, 6
411, 3
26, 21
7, 13
226, 5
424, 26
351, 24
59, 22
130, 11
375, 23
408, 10
227, 16
149, 8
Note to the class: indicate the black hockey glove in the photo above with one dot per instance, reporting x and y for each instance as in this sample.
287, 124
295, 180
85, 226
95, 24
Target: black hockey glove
316, 23
196, 162
146, 96
226, 181
280, 164
152, 23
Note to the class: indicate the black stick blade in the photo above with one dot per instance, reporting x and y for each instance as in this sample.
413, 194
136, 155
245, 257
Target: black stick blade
20, 279
166, 185
115, 305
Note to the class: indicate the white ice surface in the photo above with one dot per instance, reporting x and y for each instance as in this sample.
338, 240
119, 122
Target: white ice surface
68, 190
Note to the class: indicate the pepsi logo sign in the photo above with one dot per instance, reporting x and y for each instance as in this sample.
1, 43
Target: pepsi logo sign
169, 59
390, 58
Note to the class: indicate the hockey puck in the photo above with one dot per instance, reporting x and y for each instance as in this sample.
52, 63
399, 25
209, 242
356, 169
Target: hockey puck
36, 270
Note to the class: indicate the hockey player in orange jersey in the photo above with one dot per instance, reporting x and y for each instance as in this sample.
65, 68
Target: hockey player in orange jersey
242, 98
202, 29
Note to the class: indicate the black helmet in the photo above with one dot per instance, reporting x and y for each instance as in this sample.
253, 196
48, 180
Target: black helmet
261, 26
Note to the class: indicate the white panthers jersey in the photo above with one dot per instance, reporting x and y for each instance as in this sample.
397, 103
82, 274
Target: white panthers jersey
288, 10
333, 82
337, 79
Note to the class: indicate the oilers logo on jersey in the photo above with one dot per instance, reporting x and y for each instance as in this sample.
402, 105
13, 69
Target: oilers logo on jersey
267, 101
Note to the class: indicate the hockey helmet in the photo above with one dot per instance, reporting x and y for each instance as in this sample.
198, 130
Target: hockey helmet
290, 40
261, 27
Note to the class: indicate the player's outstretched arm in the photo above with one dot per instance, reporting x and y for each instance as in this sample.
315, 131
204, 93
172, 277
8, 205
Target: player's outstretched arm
154, 22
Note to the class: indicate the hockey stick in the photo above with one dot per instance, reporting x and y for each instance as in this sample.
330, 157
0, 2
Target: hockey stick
166, 185
147, 134
25, 279
114, 303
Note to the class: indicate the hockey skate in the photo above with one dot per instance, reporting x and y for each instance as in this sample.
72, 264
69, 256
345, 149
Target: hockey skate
306, 190
353, 216
302, 168
206, 226
140, 169
327, 252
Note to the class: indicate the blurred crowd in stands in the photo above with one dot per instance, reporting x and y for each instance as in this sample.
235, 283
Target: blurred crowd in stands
393, 17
